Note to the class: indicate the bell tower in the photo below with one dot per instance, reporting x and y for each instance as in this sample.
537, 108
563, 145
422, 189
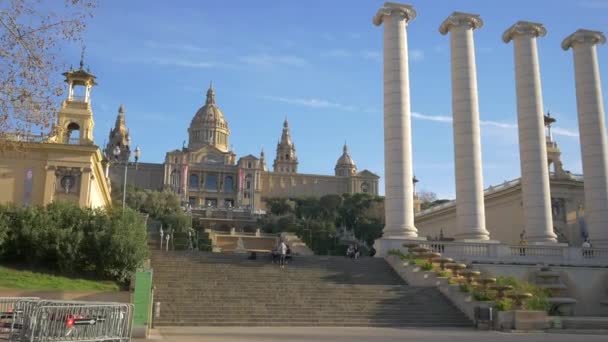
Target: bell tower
553, 151
75, 118
286, 160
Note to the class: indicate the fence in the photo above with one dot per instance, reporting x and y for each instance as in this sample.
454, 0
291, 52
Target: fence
524, 254
7, 312
34, 320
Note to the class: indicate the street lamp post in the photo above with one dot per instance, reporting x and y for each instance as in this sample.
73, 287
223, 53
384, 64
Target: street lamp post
116, 152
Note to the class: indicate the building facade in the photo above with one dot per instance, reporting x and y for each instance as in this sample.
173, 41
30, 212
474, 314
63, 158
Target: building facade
206, 172
64, 165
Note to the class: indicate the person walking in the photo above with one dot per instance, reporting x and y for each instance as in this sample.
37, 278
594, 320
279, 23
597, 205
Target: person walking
283, 254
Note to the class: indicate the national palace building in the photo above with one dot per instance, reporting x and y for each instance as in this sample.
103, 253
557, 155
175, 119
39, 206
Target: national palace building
207, 173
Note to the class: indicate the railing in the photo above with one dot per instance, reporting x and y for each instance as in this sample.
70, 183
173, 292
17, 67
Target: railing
74, 140
76, 98
536, 251
24, 137
526, 254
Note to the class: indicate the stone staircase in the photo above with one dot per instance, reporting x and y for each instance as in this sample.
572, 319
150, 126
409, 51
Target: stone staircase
221, 289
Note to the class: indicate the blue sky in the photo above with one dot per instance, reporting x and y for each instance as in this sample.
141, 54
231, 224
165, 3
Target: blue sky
318, 63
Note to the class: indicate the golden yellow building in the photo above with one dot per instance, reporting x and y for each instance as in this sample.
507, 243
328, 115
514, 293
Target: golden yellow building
64, 165
207, 174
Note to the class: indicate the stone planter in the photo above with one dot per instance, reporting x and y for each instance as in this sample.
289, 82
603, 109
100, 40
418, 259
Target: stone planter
525, 320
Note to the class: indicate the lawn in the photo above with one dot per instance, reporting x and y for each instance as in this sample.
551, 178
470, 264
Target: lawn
11, 278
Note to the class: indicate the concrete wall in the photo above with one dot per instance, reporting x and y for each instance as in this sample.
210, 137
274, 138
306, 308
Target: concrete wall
43, 159
504, 214
588, 285
146, 176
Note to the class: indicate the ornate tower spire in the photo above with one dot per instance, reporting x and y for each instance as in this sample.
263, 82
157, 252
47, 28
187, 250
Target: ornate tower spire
119, 136
553, 151
286, 160
263, 160
345, 166
210, 95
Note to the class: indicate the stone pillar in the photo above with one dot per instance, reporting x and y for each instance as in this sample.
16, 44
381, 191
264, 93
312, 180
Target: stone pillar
470, 211
399, 192
592, 131
536, 191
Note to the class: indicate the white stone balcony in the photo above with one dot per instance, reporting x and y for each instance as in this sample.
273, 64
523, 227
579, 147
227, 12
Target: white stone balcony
498, 253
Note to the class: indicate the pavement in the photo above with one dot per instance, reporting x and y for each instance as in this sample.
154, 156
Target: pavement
336, 334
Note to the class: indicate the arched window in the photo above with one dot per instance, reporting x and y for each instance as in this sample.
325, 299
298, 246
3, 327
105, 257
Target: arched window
228, 184
193, 180
287, 157
73, 134
211, 182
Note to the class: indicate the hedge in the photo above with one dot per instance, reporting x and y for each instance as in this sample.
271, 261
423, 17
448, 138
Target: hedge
61, 237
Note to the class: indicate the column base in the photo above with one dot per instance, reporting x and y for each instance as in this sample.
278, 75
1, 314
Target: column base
547, 243
385, 244
470, 237
478, 241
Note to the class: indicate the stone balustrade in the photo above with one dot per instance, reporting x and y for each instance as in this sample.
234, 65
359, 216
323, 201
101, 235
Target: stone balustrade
517, 254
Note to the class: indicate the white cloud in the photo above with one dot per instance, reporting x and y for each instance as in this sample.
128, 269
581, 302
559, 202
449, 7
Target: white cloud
564, 132
311, 102
416, 55
594, 4
336, 53
173, 46
436, 118
497, 124
273, 60
373, 55
182, 63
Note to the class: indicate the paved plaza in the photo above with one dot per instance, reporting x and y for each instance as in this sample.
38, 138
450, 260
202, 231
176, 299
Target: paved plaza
317, 334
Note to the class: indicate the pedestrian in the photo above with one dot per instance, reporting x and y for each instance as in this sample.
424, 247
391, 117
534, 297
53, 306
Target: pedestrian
356, 251
350, 253
283, 254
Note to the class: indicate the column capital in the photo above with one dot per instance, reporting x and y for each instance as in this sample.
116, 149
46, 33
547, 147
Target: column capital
458, 19
407, 12
524, 28
583, 36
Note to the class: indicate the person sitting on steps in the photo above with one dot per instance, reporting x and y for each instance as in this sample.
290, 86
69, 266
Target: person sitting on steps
288, 256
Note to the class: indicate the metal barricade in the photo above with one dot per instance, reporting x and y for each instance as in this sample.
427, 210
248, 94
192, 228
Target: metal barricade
62, 321
8, 308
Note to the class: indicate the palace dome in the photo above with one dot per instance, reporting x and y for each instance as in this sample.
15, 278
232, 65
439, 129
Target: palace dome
208, 126
345, 166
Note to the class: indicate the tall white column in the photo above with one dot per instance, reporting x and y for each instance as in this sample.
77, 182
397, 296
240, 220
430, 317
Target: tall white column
536, 191
399, 191
470, 211
592, 131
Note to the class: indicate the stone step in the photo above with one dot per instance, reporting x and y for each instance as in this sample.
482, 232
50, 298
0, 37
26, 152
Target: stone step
206, 289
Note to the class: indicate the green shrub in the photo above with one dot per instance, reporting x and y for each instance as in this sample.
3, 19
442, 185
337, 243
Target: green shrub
65, 238
397, 252
504, 304
539, 295
481, 296
423, 264
537, 303
466, 288
444, 274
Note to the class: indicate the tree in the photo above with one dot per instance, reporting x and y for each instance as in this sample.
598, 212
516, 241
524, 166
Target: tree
426, 196
280, 206
32, 33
